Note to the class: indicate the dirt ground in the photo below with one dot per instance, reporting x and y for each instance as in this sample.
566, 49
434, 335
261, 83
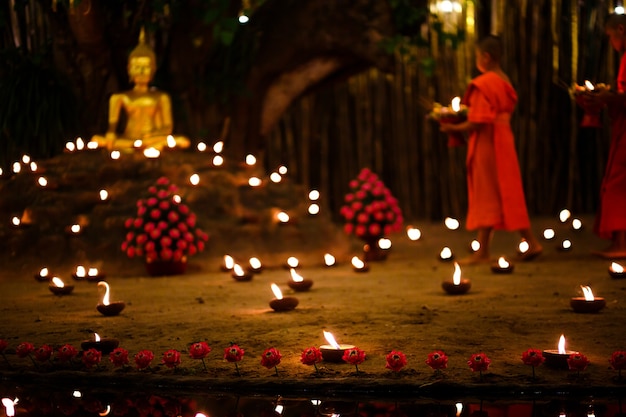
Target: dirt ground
398, 305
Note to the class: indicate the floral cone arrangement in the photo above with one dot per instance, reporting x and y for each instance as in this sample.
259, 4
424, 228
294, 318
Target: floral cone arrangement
371, 211
534, 358
164, 229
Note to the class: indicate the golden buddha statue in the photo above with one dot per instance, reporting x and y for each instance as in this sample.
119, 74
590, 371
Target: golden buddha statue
148, 111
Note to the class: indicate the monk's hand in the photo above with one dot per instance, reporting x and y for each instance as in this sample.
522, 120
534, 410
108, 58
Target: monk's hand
446, 128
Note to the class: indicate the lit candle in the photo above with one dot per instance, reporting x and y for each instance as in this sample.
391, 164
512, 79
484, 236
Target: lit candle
228, 263
239, 274
616, 270
194, 179
577, 224
456, 285
43, 275
523, 247
413, 233
314, 209
9, 406
250, 160
333, 351
474, 246
275, 177
358, 265
549, 234
104, 195
564, 215
451, 223
298, 283
218, 147
58, 287
565, 245
171, 142
201, 146
254, 181
104, 345
282, 217
588, 303
151, 153
255, 265
446, 254
377, 251
292, 262
314, 195
281, 303
329, 260
74, 230
502, 266
106, 307
218, 160
558, 358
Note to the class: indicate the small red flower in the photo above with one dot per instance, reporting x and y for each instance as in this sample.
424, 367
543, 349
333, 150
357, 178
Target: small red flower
199, 350
354, 356
119, 357
437, 360
143, 359
66, 353
233, 353
533, 357
311, 356
24, 349
396, 360
479, 362
3, 345
271, 358
171, 358
577, 362
91, 357
43, 353
618, 360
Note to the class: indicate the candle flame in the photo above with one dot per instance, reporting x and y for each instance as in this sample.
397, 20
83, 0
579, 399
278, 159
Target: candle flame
80, 271
151, 153
75, 228
238, 270
413, 233
577, 224
92, 145
523, 246
456, 104
567, 244
105, 297
589, 85
58, 282
250, 159
384, 243
293, 262
275, 177
171, 142
502, 263
16, 221
104, 194
92, 272
331, 340
446, 253
314, 195
218, 146
218, 160
277, 292
587, 293
357, 263
295, 276
80, 144
564, 215
255, 263
201, 146
456, 276
70, 146
229, 262
44, 272
329, 259
475, 245
194, 179
615, 267
116, 154
459, 409
106, 411
9, 406
314, 209
282, 217
549, 234
254, 181
96, 337
561, 345
282, 170
451, 223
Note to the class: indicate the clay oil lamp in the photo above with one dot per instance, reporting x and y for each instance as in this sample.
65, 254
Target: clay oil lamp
588, 303
298, 283
239, 274
446, 254
558, 358
413, 233
281, 303
329, 260
616, 270
376, 251
254, 265
456, 285
43, 275
502, 266
106, 307
104, 345
292, 262
333, 351
359, 265
58, 287
227, 264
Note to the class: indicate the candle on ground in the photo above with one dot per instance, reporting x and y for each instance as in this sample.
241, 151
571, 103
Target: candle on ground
106, 307
333, 351
104, 345
502, 266
456, 285
281, 303
557, 358
588, 303
58, 287
299, 283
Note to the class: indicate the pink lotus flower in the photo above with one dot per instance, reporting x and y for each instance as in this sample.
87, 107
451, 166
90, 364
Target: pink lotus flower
200, 350
43, 353
437, 360
234, 354
533, 357
271, 358
91, 358
66, 353
396, 360
143, 359
479, 362
311, 356
577, 362
171, 358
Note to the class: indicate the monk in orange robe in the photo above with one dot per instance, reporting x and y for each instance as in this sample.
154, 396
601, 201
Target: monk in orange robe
611, 217
495, 195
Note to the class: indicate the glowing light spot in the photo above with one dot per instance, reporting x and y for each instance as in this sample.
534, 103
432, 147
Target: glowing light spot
451, 223
201, 146
218, 160
116, 154
314, 195
275, 177
70, 146
564, 215
282, 170
413, 233
80, 144
194, 179
549, 234
17, 167
314, 209
218, 147
254, 181
250, 159
104, 194
42, 181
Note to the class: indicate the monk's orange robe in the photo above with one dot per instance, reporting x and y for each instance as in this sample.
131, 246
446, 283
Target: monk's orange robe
611, 216
495, 193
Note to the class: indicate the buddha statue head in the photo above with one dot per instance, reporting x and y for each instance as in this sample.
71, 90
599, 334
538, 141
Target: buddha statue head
142, 61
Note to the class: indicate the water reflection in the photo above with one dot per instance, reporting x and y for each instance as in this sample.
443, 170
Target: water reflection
41, 402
